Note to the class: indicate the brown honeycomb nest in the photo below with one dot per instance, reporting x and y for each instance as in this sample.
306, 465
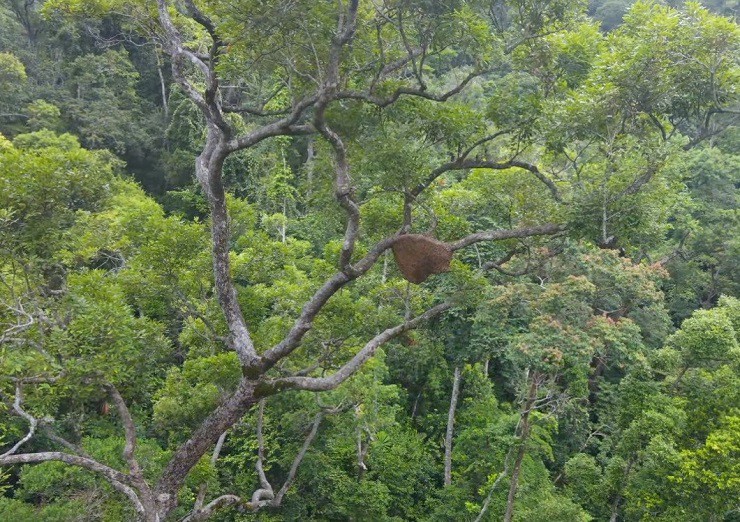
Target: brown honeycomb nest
420, 256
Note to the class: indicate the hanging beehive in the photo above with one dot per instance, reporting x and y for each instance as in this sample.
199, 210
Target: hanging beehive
419, 256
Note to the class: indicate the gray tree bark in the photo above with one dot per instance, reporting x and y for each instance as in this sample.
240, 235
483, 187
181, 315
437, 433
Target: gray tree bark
523, 437
451, 425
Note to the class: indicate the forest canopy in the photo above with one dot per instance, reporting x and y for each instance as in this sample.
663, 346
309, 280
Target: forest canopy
383, 260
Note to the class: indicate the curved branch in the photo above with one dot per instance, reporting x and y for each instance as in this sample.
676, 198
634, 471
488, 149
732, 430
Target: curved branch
32, 421
354, 364
287, 126
129, 428
119, 481
197, 15
497, 235
463, 163
344, 190
408, 91
75, 460
208, 102
212, 507
298, 459
265, 490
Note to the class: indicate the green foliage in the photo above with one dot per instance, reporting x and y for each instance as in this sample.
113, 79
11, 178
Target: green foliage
43, 115
12, 73
621, 333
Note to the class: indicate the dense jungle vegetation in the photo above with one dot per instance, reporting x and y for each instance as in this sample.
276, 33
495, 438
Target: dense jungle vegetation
369, 260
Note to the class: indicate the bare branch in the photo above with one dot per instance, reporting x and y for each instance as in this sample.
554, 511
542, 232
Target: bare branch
74, 448
208, 101
212, 507
75, 460
463, 163
496, 265
32, 421
496, 235
351, 367
408, 91
634, 187
319, 299
287, 126
265, 491
344, 190
298, 459
487, 502
206, 22
129, 428
451, 426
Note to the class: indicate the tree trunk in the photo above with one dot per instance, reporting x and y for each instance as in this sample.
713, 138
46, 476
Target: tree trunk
526, 427
188, 455
451, 426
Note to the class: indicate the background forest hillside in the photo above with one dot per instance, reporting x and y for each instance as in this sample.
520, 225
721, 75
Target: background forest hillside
579, 361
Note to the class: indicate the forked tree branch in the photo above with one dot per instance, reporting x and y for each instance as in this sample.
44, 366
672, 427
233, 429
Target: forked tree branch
219, 144
129, 428
262, 497
409, 91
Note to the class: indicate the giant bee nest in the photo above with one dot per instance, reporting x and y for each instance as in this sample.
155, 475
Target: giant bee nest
419, 256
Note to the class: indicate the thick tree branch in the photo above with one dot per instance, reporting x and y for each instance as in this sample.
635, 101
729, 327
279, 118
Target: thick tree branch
188, 454
75, 460
208, 171
311, 309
